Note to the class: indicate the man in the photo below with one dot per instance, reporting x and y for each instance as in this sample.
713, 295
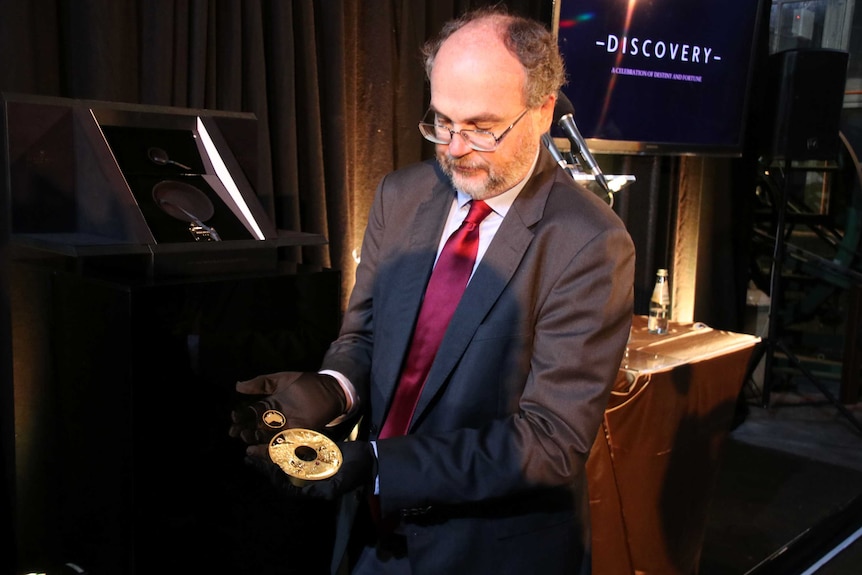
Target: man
489, 476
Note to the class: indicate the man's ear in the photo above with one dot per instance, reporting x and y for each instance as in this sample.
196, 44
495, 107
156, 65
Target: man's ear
546, 112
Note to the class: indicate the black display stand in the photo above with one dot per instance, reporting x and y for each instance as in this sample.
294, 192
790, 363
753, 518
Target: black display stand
124, 464
145, 279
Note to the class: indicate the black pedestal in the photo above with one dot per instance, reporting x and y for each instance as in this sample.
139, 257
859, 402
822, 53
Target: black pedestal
123, 392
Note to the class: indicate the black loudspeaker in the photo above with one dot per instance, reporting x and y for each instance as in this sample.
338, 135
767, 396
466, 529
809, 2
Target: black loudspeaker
807, 87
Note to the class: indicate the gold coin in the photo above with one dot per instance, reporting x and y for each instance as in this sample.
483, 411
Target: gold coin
305, 455
273, 418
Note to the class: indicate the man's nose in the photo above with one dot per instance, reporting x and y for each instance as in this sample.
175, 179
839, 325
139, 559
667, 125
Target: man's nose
458, 146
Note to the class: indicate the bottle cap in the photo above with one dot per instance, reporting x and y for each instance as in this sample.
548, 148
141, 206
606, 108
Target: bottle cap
661, 272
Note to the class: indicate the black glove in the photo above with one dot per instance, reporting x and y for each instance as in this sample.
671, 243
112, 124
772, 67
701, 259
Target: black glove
358, 469
258, 458
294, 399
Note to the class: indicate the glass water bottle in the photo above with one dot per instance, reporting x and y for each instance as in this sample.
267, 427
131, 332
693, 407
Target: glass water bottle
659, 305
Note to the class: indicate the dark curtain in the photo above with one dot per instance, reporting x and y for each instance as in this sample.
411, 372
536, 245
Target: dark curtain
337, 86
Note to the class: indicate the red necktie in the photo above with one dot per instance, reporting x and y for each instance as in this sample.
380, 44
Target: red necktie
447, 284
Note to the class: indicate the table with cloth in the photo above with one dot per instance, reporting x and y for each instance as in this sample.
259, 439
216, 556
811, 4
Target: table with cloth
655, 460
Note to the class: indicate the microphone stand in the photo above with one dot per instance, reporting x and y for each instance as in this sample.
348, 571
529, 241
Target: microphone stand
608, 184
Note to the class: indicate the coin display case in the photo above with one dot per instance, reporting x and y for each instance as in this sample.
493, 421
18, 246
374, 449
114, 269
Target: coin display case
147, 189
145, 278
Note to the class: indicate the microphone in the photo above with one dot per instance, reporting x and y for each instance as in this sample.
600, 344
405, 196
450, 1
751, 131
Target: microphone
555, 151
564, 116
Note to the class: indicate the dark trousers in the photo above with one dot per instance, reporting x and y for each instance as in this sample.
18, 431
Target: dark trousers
380, 561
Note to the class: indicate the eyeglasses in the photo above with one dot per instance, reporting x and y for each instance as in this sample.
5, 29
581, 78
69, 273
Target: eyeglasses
479, 140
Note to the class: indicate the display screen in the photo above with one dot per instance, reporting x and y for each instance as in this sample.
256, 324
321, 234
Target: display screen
659, 76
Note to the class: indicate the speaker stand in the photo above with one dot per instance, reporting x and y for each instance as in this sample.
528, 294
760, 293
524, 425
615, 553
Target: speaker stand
773, 340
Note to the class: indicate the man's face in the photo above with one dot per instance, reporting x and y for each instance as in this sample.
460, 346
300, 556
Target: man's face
476, 84
486, 174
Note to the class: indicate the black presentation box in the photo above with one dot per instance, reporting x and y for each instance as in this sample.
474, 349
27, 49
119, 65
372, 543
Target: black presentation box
158, 190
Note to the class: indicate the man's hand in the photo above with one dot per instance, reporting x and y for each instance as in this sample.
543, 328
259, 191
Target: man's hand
258, 458
358, 469
293, 399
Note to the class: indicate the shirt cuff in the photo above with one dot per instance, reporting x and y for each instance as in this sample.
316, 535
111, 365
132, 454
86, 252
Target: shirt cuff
376, 477
352, 403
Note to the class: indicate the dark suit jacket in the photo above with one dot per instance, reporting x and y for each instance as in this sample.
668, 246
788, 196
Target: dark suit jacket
491, 477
